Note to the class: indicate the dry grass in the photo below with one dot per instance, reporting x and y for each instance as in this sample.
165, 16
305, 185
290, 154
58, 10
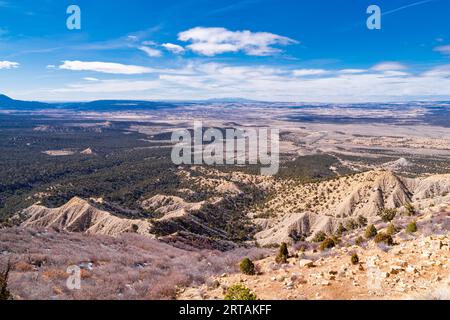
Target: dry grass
128, 267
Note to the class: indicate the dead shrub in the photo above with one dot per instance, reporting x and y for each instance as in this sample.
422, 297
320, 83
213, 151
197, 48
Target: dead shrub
22, 266
54, 274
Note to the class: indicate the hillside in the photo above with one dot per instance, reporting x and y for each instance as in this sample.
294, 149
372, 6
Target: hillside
413, 265
416, 266
129, 266
302, 210
219, 220
78, 215
292, 213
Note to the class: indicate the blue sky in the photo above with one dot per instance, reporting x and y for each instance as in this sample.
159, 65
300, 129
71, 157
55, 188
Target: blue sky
313, 51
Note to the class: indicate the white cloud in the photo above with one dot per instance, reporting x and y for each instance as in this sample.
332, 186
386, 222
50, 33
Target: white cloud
104, 67
212, 80
443, 49
309, 72
395, 73
214, 41
389, 66
151, 52
174, 48
9, 65
91, 79
352, 71
440, 71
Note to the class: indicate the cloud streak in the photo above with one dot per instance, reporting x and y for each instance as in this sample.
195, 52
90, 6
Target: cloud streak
309, 72
8, 65
443, 49
104, 67
415, 4
389, 66
151, 52
174, 48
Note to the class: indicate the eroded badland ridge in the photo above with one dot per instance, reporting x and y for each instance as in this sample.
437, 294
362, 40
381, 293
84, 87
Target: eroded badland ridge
294, 210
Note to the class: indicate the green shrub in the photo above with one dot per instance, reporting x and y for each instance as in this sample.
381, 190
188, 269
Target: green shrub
359, 241
362, 221
319, 237
239, 293
341, 230
351, 225
283, 254
328, 244
387, 215
247, 267
412, 227
4, 292
410, 210
384, 238
391, 229
355, 259
371, 232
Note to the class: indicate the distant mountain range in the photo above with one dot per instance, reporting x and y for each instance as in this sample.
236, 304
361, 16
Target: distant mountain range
108, 105
7, 103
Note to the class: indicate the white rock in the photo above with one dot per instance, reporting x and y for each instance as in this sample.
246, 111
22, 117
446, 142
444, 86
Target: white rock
411, 269
306, 263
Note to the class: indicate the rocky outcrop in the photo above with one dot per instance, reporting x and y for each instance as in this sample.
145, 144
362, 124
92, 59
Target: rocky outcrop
170, 207
78, 215
431, 187
180, 221
87, 152
379, 190
361, 195
294, 226
399, 165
